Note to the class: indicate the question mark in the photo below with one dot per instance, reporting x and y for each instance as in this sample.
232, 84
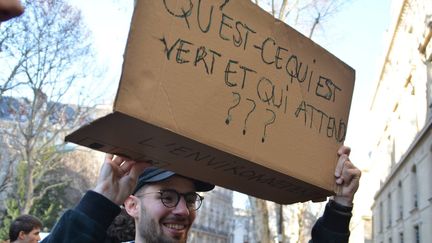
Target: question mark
223, 4
247, 117
271, 121
237, 102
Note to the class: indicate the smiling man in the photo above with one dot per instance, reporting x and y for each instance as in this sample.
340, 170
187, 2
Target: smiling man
164, 204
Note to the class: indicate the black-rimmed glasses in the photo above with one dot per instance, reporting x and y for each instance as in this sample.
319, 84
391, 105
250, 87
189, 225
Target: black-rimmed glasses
170, 198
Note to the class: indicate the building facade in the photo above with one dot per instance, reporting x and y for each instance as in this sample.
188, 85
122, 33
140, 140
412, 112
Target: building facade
243, 226
402, 211
215, 219
398, 178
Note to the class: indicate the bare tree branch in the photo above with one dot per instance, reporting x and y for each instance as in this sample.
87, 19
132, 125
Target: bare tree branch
49, 47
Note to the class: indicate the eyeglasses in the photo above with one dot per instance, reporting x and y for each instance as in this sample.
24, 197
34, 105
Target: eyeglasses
170, 198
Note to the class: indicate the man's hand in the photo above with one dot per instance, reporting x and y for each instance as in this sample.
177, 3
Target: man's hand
118, 177
347, 178
10, 9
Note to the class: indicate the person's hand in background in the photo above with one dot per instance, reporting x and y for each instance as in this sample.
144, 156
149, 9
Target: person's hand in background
10, 9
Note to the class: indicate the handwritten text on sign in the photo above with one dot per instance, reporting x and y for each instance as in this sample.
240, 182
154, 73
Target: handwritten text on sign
271, 96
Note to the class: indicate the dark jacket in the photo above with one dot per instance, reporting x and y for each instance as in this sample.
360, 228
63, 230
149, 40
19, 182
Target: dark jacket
333, 226
89, 221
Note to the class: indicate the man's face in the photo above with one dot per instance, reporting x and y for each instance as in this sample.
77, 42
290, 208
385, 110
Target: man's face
10, 9
156, 222
32, 237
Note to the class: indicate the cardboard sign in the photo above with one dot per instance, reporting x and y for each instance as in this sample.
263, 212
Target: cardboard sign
223, 92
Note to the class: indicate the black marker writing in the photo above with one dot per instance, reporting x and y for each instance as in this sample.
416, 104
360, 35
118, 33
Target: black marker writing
181, 12
269, 122
237, 99
311, 113
183, 50
249, 113
326, 89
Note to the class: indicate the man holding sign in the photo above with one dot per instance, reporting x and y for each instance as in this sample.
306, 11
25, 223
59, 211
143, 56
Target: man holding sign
164, 204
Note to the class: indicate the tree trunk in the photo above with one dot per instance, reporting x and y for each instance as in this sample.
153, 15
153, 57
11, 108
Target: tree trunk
261, 219
281, 229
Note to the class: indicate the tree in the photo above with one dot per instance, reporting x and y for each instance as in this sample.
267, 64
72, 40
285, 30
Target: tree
306, 16
302, 217
44, 54
260, 219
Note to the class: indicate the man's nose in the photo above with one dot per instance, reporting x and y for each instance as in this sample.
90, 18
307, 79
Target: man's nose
182, 208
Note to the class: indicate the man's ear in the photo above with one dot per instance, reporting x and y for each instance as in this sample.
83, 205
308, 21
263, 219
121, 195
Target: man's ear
21, 235
132, 206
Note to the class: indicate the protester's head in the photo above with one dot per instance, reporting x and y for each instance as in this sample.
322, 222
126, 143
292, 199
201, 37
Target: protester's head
10, 9
25, 229
164, 205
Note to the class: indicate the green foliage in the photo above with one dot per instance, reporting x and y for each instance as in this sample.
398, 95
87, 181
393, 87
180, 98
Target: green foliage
20, 183
50, 206
46, 209
14, 202
12, 211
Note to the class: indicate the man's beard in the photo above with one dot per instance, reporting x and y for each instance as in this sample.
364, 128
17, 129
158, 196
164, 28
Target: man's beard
150, 231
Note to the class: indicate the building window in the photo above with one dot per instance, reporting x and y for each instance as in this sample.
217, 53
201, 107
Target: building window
245, 238
417, 234
381, 217
414, 185
400, 200
389, 210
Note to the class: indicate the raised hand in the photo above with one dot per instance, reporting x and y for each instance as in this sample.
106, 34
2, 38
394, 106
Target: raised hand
118, 177
347, 178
